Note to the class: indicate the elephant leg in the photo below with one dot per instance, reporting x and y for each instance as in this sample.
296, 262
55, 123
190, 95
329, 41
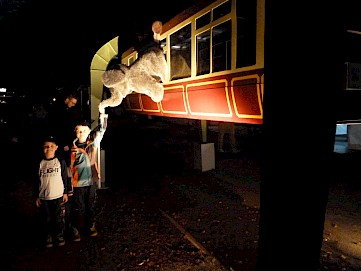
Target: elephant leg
151, 88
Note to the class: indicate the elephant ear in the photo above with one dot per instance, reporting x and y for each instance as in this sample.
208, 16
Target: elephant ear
111, 78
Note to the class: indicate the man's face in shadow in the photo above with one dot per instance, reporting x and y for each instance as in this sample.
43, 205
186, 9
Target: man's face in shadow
70, 102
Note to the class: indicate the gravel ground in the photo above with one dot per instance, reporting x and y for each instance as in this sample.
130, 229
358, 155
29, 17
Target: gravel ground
183, 226
160, 214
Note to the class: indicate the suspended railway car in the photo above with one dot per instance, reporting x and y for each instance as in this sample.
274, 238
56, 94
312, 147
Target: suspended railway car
215, 54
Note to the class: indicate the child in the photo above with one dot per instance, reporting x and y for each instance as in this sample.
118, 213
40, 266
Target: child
51, 192
84, 168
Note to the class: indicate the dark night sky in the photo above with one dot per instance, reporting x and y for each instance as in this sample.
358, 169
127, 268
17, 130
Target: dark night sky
49, 44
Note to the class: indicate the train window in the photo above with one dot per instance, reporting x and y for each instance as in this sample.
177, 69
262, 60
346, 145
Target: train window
246, 33
222, 10
221, 47
203, 20
180, 53
162, 45
203, 52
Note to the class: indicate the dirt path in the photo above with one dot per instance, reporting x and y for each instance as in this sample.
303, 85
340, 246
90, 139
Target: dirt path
220, 209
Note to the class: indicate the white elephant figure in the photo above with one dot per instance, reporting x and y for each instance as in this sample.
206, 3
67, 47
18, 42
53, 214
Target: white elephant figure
146, 75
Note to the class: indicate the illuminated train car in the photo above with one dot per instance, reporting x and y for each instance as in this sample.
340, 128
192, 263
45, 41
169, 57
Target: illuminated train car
215, 55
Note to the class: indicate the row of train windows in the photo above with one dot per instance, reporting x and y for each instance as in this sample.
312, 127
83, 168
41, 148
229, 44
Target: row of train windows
214, 44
